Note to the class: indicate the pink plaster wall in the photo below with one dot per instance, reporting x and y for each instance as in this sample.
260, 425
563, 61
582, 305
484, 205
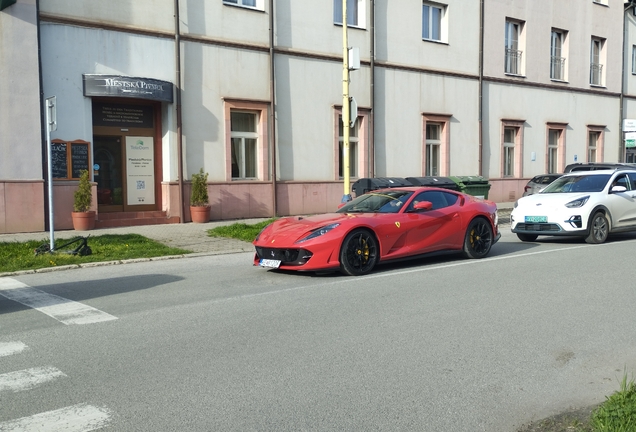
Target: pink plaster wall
308, 198
63, 203
506, 190
21, 206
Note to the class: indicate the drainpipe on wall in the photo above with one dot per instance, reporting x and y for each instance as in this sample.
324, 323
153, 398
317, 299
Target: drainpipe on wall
272, 109
45, 167
177, 59
621, 141
481, 84
372, 78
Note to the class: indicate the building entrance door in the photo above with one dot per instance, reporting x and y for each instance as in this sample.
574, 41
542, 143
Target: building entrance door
126, 162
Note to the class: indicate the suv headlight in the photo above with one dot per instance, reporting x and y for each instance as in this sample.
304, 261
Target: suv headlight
580, 202
318, 232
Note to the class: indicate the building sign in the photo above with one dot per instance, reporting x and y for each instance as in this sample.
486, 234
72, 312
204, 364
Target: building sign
629, 125
630, 139
122, 115
140, 170
129, 87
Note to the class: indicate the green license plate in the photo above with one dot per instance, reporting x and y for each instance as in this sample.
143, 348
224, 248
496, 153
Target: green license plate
537, 219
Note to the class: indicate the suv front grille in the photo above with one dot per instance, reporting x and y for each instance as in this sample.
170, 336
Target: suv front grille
535, 227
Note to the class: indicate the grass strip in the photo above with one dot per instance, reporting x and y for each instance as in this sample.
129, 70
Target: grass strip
240, 231
15, 256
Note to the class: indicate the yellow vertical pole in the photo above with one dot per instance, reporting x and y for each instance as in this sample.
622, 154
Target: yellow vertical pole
345, 106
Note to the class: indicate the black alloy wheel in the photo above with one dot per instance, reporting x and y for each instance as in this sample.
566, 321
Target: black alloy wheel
478, 240
359, 253
527, 237
599, 229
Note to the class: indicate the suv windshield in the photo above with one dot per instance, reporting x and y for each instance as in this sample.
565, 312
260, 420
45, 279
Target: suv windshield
377, 202
578, 183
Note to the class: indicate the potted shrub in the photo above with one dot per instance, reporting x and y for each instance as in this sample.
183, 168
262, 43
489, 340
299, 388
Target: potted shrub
83, 217
199, 200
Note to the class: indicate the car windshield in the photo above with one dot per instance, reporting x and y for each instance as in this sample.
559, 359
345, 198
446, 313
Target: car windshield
377, 202
578, 183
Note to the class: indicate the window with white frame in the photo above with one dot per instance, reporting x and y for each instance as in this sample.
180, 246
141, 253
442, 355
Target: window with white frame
436, 144
433, 19
433, 147
355, 12
252, 4
358, 145
509, 143
593, 138
554, 136
244, 144
557, 57
513, 47
353, 149
596, 61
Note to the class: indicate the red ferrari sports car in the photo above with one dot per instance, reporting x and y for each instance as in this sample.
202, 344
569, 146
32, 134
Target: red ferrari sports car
380, 226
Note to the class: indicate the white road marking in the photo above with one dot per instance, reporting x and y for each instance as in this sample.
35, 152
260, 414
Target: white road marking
64, 310
10, 348
28, 378
76, 418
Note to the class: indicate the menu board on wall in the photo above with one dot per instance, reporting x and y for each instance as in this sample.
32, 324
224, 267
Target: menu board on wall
79, 159
59, 160
140, 170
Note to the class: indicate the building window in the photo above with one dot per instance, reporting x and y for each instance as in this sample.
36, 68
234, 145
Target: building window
557, 59
355, 13
433, 144
634, 58
252, 4
510, 135
596, 61
513, 52
595, 137
353, 149
247, 155
358, 146
555, 155
244, 139
512, 148
433, 18
436, 147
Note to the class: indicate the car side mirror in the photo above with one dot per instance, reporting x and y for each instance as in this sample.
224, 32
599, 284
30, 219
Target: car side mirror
423, 205
617, 189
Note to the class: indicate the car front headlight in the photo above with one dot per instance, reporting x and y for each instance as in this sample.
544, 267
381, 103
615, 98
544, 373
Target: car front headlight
318, 232
516, 204
579, 202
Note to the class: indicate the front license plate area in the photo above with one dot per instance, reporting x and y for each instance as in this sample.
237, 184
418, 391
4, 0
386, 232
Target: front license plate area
536, 219
269, 263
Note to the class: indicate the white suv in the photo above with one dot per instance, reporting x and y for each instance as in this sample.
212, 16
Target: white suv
589, 204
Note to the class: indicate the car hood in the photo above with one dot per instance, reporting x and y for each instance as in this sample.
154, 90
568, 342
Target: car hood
549, 201
296, 227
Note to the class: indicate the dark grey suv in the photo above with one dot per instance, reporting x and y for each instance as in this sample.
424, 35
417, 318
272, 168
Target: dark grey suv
539, 182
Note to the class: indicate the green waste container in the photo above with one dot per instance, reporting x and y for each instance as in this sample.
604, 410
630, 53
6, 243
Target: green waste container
472, 185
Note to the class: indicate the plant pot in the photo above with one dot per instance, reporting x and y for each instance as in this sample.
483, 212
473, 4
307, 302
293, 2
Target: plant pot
200, 214
83, 221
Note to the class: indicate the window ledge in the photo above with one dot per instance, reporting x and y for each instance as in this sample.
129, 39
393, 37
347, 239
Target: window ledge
559, 81
598, 86
514, 75
349, 26
255, 9
439, 42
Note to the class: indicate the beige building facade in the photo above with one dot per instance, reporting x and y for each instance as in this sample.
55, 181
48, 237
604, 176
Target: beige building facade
251, 92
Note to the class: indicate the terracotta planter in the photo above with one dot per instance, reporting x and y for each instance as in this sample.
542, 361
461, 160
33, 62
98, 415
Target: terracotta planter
83, 221
200, 214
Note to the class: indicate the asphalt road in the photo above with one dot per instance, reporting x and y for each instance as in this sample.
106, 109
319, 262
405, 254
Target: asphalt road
212, 343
